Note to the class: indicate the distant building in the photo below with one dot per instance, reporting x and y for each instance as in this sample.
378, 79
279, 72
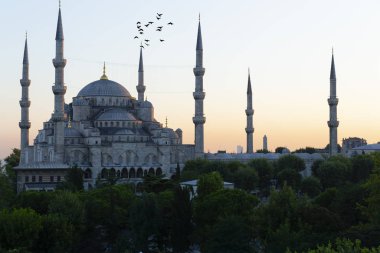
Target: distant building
265, 142
239, 149
348, 144
367, 149
193, 185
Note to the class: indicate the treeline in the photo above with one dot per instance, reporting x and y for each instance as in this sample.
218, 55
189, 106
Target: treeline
272, 209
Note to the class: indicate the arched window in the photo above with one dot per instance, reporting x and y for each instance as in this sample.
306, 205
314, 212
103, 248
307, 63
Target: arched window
158, 172
124, 173
87, 173
151, 171
104, 173
132, 173
139, 173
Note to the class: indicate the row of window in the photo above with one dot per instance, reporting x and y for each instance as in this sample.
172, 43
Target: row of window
125, 138
116, 124
33, 179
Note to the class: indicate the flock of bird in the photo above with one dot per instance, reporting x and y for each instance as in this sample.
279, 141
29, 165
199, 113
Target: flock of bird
142, 31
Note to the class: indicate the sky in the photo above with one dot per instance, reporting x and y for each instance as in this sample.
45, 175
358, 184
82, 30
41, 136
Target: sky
286, 44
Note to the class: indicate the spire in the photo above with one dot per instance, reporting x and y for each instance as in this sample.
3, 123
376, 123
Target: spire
26, 58
59, 33
249, 88
141, 64
199, 38
332, 71
104, 76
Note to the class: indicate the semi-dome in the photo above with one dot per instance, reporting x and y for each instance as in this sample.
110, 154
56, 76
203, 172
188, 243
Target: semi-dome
104, 87
117, 114
146, 104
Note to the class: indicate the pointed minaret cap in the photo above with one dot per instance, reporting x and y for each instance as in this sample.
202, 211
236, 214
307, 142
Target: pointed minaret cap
141, 65
249, 88
59, 33
199, 38
332, 71
104, 76
25, 60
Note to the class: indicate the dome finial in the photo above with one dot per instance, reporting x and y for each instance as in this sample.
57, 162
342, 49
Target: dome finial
104, 76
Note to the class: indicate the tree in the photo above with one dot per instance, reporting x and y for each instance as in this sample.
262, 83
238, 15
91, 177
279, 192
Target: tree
371, 210
333, 173
279, 150
216, 206
362, 166
230, 235
311, 186
290, 162
246, 179
12, 161
209, 183
264, 151
19, 228
73, 180
7, 192
264, 170
315, 167
308, 150
289, 177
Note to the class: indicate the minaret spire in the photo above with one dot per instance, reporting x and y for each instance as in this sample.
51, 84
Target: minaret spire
59, 90
249, 112
199, 96
140, 86
25, 104
333, 123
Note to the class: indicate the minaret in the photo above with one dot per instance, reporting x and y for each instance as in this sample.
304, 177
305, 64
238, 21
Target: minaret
25, 104
265, 142
140, 87
333, 123
59, 90
249, 112
199, 96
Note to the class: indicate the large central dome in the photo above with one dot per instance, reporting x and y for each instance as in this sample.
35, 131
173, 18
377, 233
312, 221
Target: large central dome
104, 87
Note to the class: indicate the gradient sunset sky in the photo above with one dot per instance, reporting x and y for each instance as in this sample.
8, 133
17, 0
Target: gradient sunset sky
286, 44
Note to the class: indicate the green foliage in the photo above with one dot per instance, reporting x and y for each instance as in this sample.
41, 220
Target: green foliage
209, 183
7, 192
372, 209
362, 167
264, 170
279, 150
230, 235
264, 151
311, 186
19, 228
308, 150
315, 167
12, 161
38, 201
246, 179
343, 246
290, 162
334, 172
290, 177
157, 184
73, 180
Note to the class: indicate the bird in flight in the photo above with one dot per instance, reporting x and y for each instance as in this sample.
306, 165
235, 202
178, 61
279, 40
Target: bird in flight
159, 27
141, 46
147, 44
147, 40
147, 25
170, 23
162, 40
159, 14
141, 33
150, 22
136, 37
138, 23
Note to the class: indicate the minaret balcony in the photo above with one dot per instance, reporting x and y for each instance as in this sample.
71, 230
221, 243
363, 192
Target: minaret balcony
199, 120
59, 90
140, 88
24, 125
199, 71
24, 103
25, 82
333, 101
59, 63
199, 95
58, 117
249, 130
249, 112
333, 123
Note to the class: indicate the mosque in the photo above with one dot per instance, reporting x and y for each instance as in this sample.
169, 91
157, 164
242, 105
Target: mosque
107, 132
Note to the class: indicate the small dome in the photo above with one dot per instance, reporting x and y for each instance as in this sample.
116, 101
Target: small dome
72, 132
104, 87
117, 114
146, 104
